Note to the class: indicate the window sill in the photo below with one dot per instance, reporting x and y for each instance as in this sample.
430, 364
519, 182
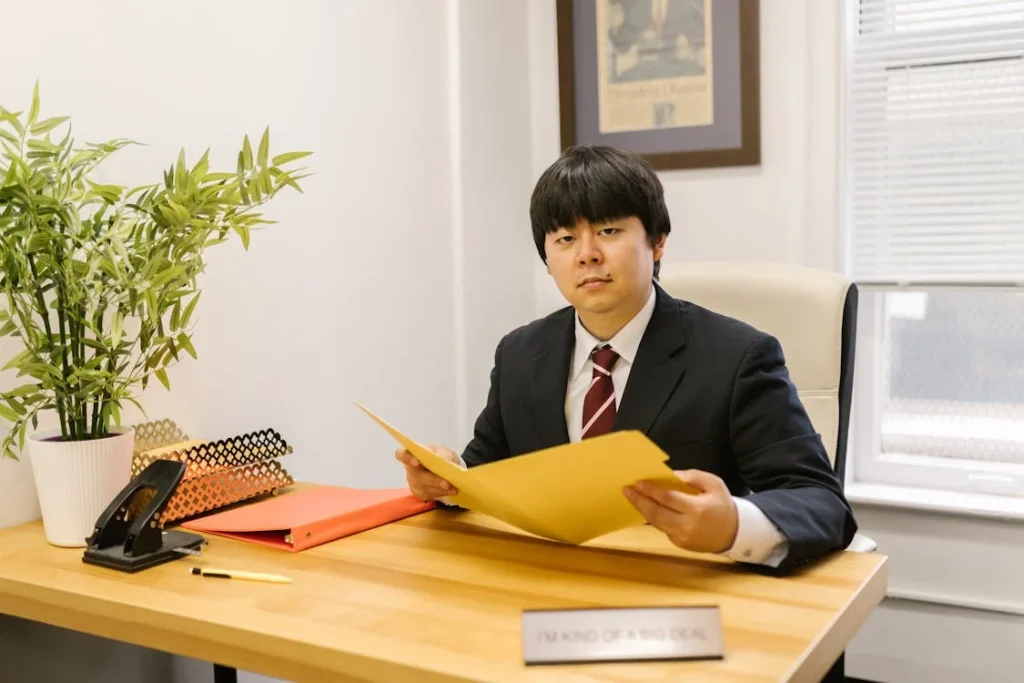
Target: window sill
935, 500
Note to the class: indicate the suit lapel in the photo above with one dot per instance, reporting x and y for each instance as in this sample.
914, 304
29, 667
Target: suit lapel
549, 382
656, 369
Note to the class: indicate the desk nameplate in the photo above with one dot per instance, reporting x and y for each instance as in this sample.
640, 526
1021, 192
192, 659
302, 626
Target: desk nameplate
622, 634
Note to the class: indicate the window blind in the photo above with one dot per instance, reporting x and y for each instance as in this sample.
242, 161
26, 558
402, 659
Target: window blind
935, 142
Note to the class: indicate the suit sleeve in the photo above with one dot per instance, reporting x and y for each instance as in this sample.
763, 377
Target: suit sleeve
783, 459
489, 443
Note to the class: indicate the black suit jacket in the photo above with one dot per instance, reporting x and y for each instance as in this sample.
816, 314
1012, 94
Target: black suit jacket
711, 391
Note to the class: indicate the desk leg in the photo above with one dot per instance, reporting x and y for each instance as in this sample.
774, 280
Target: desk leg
837, 674
224, 674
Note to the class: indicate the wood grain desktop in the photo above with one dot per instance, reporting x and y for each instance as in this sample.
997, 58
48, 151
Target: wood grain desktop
439, 597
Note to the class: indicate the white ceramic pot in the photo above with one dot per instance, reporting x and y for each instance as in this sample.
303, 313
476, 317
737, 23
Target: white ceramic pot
18, 500
76, 480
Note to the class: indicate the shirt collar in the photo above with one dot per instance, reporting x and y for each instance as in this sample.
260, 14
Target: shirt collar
626, 341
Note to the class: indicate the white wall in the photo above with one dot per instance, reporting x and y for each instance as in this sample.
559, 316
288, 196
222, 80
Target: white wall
388, 282
787, 211
962, 563
493, 187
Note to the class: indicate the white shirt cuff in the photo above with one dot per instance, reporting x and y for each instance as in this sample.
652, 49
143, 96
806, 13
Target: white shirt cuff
758, 541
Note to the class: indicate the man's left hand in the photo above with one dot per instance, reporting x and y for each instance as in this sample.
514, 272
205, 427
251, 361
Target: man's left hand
703, 522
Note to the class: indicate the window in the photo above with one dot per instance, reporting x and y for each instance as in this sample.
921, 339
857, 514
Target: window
934, 236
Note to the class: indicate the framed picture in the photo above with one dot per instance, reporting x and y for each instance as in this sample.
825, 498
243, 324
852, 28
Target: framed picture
676, 81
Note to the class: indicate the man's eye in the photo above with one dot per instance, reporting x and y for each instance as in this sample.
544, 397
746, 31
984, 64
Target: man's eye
610, 231
564, 239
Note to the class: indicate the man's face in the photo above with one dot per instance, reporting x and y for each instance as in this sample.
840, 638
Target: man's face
603, 269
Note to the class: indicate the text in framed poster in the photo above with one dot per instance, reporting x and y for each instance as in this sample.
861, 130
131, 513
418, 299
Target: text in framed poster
674, 80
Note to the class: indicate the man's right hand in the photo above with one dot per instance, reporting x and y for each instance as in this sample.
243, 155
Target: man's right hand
424, 484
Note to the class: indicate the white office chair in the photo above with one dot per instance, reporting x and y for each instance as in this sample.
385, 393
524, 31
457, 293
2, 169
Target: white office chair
813, 314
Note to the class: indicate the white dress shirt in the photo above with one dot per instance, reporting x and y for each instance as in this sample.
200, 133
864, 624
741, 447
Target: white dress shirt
757, 539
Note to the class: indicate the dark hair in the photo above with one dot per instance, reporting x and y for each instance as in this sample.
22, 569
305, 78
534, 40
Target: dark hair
599, 184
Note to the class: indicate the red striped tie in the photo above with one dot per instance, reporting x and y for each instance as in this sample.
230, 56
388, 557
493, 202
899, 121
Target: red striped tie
599, 404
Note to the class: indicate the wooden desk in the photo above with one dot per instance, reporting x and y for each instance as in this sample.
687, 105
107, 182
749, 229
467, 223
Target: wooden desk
439, 597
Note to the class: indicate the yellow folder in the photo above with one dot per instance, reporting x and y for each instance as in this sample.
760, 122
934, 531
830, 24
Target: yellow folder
570, 493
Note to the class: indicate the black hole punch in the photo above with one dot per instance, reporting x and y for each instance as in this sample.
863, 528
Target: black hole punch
131, 543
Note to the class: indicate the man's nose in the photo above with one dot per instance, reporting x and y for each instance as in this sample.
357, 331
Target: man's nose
589, 251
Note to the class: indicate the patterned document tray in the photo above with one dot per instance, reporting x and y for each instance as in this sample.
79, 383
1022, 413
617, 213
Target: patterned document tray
217, 473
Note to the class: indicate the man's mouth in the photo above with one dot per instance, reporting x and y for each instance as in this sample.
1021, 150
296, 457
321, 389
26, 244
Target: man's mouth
594, 282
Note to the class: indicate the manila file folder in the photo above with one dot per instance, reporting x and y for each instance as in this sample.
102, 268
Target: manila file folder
570, 493
301, 519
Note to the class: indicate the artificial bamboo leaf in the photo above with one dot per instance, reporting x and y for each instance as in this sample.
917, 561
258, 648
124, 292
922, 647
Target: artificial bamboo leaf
144, 189
241, 178
189, 308
117, 328
33, 111
168, 274
108, 267
203, 165
216, 177
20, 358
170, 351
7, 116
46, 125
180, 171
151, 308
23, 390
247, 153
153, 359
168, 214
9, 177
178, 294
254, 189
181, 214
8, 414
264, 151
176, 316
93, 344
161, 375
186, 343
243, 232
200, 223
135, 403
220, 239
16, 124
285, 179
42, 370
112, 190
281, 159
41, 145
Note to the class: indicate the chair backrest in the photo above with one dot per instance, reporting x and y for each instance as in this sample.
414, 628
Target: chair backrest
813, 314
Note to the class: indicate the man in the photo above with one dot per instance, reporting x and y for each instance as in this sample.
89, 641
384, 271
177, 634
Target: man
711, 391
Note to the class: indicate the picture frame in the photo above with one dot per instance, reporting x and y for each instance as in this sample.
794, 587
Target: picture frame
673, 80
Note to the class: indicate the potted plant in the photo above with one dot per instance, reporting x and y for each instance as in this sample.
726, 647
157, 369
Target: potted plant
98, 283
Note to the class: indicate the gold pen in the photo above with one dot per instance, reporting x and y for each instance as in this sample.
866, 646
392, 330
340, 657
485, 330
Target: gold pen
234, 574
